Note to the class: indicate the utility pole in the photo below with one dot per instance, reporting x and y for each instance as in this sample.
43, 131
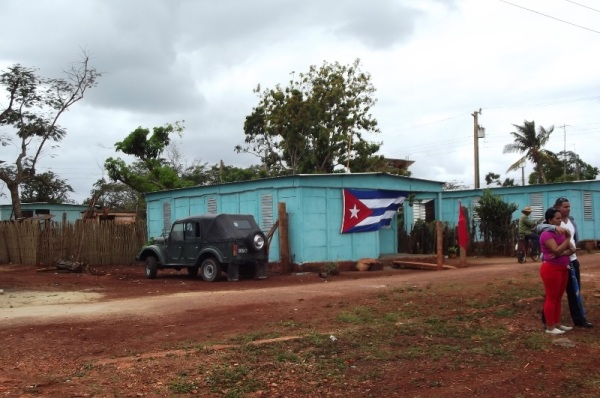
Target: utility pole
477, 131
564, 126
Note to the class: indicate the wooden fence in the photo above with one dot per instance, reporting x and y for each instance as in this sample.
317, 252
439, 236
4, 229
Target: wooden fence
46, 242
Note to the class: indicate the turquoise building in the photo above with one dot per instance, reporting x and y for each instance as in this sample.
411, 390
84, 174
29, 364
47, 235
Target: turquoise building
584, 197
71, 211
314, 204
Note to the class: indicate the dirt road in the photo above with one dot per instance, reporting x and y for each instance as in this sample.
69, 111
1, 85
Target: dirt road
97, 299
53, 325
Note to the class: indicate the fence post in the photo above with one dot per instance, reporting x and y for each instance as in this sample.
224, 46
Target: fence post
440, 245
284, 244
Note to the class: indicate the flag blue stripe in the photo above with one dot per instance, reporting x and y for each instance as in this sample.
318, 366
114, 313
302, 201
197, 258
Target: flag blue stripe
376, 194
370, 227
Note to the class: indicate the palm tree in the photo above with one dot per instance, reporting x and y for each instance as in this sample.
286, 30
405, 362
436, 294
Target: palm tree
531, 145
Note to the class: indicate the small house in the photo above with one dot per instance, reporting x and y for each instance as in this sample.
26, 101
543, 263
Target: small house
314, 205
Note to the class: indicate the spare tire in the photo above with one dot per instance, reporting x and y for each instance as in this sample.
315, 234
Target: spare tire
256, 241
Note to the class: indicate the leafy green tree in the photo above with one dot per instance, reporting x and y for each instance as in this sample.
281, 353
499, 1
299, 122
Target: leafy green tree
493, 178
203, 174
151, 172
454, 186
45, 187
566, 166
116, 196
495, 219
316, 123
34, 106
508, 182
531, 144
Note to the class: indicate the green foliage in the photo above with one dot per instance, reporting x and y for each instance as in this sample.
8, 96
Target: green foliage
331, 269
454, 186
221, 173
422, 237
182, 386
150, 172
235, 379
45, 187
158, 165
117, 196
35, 104
493, 178
531, 144
495, 218
316, 123
565, 166
138, 144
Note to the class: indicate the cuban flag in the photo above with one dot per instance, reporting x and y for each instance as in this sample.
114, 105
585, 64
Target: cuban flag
369, 210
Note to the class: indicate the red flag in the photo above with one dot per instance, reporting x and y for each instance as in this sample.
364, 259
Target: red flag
463, 234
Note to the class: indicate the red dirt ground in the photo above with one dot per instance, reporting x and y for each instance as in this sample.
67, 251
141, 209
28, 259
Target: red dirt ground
51, 323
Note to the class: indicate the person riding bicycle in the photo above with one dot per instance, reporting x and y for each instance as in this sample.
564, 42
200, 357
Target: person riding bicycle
527, 228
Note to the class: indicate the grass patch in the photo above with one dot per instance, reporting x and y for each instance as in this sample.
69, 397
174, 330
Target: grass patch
182, 385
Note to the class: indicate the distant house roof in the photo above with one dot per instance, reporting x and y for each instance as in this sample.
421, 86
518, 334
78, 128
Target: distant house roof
400, 163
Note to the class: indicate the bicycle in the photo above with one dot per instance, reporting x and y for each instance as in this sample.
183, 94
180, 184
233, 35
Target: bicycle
523, 250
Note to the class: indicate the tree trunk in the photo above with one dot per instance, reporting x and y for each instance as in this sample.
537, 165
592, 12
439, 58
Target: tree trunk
542, 176
16, 199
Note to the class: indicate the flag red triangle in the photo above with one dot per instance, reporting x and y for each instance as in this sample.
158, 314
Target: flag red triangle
354, 211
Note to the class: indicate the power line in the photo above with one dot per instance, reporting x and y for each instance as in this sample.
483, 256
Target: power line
582, 5
416, 126
550, 16
544, 103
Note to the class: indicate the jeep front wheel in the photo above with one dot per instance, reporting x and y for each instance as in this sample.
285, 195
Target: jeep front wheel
151, 267
210, 270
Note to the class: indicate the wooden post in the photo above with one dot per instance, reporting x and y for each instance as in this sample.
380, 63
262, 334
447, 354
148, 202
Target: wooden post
463, 256
284, 243
440, 245
63, 238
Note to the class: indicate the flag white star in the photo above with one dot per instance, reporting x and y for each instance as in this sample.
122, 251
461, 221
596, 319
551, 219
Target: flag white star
354, 212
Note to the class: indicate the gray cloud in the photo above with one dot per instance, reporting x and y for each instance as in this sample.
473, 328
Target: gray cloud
198, 60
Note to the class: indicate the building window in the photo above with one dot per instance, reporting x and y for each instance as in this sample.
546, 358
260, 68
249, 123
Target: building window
475, 208
536, 201
588, 214
266, 212
424, 210
166, 218
42, 211
211, 205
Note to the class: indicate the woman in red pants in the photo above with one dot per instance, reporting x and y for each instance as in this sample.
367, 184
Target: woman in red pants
556, 250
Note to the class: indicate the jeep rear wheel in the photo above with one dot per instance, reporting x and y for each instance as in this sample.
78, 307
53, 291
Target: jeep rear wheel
210, 270
151, 267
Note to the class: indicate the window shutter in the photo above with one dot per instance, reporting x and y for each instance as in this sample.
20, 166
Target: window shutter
588, 214
211, 205
536, 201
166, 217
266, 212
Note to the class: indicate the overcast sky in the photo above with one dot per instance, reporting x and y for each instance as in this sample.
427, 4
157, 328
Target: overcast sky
432, 62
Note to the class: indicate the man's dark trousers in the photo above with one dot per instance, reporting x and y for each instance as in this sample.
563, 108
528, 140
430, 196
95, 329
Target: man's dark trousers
574, 308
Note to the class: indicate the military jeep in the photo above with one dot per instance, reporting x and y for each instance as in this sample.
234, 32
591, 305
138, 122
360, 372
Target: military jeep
210, 244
